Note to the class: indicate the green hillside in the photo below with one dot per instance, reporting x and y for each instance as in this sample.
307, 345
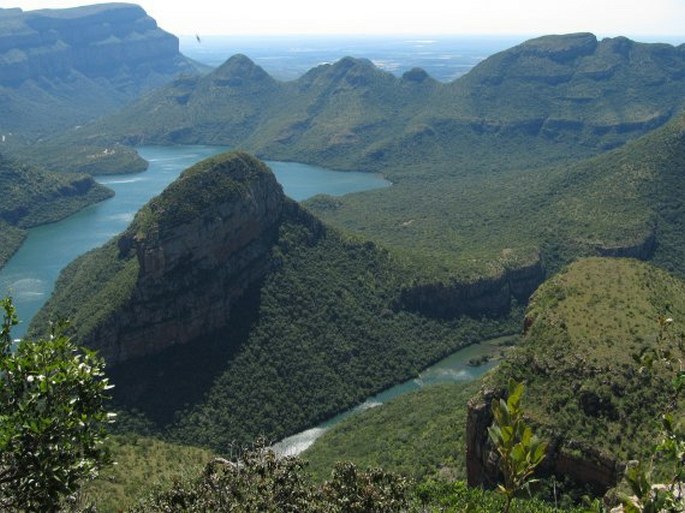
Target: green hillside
142, 466
420, 435
31, 197
626, 202
570, 95
583, 327
490, 171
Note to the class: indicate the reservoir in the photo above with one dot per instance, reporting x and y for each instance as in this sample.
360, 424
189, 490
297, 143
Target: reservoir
30, 275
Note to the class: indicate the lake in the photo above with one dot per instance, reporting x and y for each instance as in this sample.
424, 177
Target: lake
30, 275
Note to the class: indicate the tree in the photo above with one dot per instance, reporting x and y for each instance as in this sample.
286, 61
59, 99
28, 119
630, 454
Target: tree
519, 450
259, 481
52, 418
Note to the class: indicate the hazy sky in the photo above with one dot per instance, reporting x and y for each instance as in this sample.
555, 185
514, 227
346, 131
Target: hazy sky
527, 17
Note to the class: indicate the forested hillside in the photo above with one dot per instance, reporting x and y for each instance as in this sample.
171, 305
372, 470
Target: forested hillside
590, 333
31, 197
235, 313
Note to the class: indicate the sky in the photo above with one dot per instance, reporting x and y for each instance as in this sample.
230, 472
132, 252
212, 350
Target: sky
418, 17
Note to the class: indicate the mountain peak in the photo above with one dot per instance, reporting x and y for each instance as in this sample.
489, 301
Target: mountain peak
238, 69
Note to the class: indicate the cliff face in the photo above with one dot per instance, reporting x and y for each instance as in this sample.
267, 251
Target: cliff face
63, 67
192, 269
580, 462
97, 40
488, 295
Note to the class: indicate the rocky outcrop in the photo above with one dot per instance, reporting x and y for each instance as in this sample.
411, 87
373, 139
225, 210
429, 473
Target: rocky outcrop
97, 41
198, 246
489, 295
581, 463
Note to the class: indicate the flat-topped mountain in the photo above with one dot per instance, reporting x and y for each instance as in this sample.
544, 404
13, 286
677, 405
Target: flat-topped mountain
60, 67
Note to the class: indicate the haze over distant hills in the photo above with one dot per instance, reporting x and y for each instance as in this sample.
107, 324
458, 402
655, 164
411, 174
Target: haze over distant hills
60, 68
475, 162
351, 114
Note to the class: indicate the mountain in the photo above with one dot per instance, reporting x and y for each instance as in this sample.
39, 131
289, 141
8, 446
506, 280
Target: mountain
61, 68
487, 169
227, 311
585, 392
570, 93
31, 197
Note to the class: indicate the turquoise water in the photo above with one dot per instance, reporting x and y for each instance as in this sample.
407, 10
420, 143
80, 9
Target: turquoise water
452, 369
30, 275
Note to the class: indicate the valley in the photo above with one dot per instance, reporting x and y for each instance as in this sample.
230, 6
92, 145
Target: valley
369, 220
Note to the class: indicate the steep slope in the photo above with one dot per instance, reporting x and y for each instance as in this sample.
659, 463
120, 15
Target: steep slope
626, 202
227, 311
574, 86
584, 391
61, 68
474, 197
31, 197
419, 435
65, 66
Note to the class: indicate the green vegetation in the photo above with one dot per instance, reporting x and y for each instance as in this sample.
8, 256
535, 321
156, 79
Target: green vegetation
31, 197
259, 481
199, 187
325, 338
437, 496
583, 327
519, 450
323, 329
142, 466
419, 435
52, 419
92, 159
486, 169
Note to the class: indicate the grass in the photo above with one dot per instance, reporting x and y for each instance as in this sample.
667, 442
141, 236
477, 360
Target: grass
584, 326
419, 435
142, 465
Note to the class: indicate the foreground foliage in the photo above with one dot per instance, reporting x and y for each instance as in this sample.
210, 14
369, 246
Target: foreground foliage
520, 450
52, 419
259, 481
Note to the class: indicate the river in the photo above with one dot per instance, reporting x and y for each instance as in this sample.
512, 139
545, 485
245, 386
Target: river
30, 275
454, 368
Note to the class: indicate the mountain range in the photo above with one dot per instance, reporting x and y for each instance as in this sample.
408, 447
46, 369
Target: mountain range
226, 310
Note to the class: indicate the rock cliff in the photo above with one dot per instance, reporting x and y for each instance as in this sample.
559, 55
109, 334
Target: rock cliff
61, 68
487, 295
97, 41
195, 258
582, 463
